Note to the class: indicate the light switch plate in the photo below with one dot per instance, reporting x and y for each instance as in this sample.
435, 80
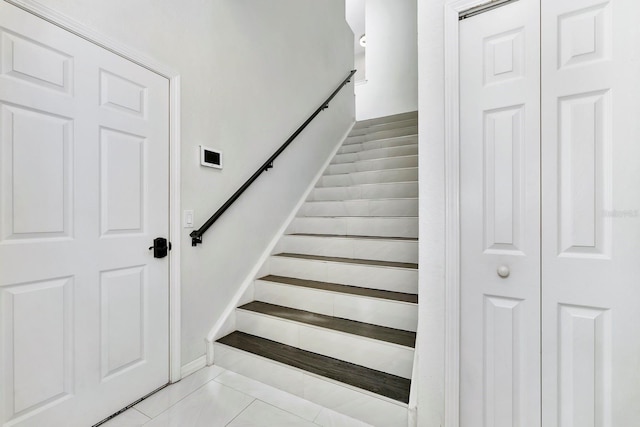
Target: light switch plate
188, 219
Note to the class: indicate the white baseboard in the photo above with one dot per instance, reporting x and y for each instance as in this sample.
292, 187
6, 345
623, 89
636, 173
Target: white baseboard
215, 331
193, 366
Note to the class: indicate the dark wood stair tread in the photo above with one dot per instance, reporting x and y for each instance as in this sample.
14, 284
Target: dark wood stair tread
345, 289
382, 383
368, 330
351, 236
351, 260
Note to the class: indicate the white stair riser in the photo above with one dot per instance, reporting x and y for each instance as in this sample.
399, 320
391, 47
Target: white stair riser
356, 226
373, 164
399, 141
413, 115
383, 126
347, 400
382, 250
370, 177
382, 312
366, 276
378, 153
367, 191
373, 354
375, 208
392, 133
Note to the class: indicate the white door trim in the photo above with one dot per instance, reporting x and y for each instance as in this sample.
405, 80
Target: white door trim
452, 10
175, 230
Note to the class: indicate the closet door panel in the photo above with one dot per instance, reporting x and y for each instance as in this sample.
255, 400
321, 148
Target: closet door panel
590, 212
500, 223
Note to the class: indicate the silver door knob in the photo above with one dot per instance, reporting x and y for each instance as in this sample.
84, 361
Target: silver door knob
503, 271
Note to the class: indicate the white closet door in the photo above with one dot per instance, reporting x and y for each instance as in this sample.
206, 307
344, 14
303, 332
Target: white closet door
500, 220
83, 192
591, 212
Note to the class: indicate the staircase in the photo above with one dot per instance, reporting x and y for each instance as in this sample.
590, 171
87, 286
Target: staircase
334, 321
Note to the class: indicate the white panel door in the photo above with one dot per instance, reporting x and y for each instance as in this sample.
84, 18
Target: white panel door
500, 219
591, 213
83, 192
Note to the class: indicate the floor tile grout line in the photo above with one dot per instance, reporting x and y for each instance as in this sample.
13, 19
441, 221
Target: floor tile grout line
270, 404
185, 396
243, 409
142, 413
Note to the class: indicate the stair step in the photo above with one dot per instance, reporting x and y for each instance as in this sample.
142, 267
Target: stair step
372, 207
376, 263
383, 134
369, 177
365, 191
368, 330
389, 249
395, 162
380, 307
384, 126
344, 289
363, 226
398, 141
381, 383
372, 408
375, 153
412, 239
386, 119
390, 276
377, 347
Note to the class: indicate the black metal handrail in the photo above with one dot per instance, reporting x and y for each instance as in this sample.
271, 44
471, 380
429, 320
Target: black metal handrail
196, 235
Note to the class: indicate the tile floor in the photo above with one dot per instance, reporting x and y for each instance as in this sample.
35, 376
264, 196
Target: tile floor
215, 397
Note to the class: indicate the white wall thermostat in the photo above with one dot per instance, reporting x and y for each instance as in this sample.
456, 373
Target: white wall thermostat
210, 158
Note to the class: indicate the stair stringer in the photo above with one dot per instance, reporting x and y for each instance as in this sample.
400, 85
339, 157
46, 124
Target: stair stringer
226, 324
412, 407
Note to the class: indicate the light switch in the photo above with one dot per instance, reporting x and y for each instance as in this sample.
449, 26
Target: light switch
188, 219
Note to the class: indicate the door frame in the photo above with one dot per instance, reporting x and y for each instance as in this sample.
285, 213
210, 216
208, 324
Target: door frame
87, 33
452, 11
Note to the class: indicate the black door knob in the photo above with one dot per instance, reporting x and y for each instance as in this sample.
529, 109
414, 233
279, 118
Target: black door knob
160, 247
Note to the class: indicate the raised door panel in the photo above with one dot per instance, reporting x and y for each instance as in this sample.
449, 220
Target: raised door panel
123, 308
585, 187
122, 182
123, 95
503, 150
584, 370
37, 345
36, 158
504, 385
35, 63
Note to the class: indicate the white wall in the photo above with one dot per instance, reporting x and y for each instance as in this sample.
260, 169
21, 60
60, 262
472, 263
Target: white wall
431, 320
355, 15
252, 72
392, 61
360, 64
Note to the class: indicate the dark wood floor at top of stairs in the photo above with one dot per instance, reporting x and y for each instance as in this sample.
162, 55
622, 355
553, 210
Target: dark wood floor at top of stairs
378, 382
376, 332
345, 289
351, 260
349, 236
